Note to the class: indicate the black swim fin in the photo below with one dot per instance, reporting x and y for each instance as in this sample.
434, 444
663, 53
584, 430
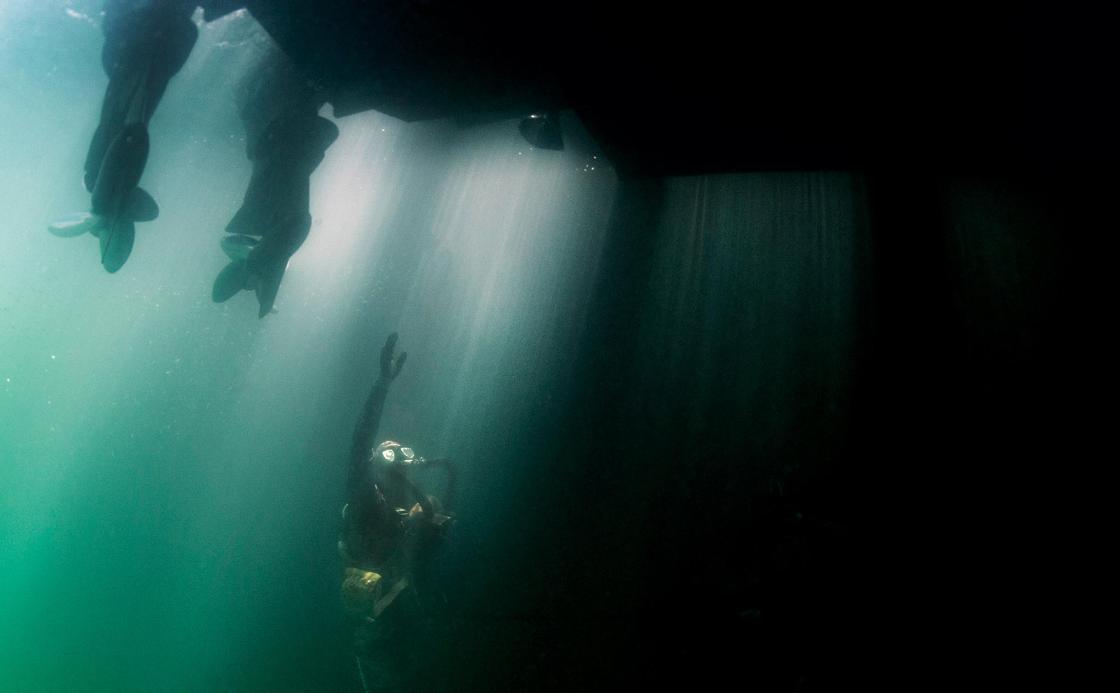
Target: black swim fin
233, 278
116, 244
268, 285
141, 206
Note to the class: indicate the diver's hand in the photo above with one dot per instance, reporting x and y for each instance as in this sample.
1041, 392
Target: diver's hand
391, 367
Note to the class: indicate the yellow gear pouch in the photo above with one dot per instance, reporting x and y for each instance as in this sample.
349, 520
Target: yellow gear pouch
360, 590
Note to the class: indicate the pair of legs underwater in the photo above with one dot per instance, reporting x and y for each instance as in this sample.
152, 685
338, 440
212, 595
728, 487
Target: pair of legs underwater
146, 44
389, 653
285, 141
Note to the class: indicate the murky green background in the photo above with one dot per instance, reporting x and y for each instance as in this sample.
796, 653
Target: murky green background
624, 371
172, 469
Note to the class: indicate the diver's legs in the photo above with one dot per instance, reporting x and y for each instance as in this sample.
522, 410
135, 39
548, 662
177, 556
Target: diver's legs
146, 44
285, 140
379, 649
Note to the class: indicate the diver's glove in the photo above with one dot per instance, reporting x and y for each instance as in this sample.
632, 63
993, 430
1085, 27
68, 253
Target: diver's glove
391, 367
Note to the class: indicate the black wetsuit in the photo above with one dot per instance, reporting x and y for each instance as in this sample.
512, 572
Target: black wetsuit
286, 140
146, 43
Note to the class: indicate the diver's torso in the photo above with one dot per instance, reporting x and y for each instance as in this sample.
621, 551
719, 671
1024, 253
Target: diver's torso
374, 534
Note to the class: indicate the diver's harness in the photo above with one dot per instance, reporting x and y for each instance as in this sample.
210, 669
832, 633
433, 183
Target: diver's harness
360, 585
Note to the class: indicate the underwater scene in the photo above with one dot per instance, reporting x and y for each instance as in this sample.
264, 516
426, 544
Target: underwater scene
431, 346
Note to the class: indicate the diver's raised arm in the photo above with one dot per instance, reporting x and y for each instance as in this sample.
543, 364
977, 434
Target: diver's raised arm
370, 418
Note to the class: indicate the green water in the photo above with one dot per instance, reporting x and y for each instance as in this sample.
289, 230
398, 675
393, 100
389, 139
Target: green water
171, 471
624, 372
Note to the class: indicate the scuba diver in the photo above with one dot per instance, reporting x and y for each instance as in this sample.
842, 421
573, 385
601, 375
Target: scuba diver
391, 530
146, 43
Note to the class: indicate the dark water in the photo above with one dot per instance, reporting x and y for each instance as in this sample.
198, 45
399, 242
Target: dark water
675, 404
